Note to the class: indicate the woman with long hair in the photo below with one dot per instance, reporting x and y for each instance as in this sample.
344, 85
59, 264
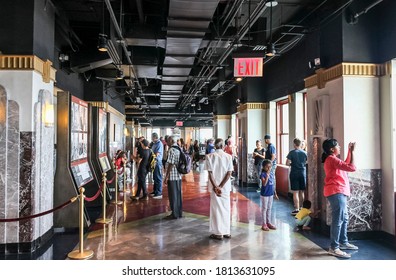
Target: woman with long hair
337, 190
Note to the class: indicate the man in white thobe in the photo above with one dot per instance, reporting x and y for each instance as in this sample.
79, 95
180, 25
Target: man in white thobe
219, 167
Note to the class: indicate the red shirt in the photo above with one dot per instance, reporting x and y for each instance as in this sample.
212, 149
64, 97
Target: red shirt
336, 180
119, 163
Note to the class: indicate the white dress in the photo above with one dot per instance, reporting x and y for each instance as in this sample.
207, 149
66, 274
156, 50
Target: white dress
219, 163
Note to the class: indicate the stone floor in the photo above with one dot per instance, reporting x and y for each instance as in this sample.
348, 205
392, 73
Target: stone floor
138, 231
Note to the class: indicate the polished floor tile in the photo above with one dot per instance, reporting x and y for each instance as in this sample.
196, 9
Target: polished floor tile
138, 231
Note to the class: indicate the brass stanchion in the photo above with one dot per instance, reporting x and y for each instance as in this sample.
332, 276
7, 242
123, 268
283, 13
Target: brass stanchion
104, 220
115, 201
80, 254
124, 178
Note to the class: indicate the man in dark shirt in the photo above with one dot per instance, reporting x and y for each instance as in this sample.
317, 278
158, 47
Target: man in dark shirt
270, 154
143, 158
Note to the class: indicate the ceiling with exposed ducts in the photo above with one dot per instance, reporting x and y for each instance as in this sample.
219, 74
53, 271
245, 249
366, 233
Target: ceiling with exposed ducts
174, 57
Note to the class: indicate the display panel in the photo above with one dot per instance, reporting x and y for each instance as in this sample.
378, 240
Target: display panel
79, 142
102, 141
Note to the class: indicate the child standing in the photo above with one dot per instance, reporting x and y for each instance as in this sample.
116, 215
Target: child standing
303, 217
267, 194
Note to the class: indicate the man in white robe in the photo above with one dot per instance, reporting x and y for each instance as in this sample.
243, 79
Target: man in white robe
219, 167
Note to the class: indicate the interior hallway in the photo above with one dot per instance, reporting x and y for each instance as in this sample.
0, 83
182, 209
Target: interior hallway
140, 232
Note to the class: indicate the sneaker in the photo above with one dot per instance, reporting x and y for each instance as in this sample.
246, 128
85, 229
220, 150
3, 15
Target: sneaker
258, 190
294, 212
157, 196
265, 228
271, 226
338, 253
134, 197
152, 194
348, 246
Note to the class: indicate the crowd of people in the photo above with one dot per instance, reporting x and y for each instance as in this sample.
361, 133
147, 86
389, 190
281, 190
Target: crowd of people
220, 161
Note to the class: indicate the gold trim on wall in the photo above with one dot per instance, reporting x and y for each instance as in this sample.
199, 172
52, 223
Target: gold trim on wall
29, 62
108, 108
322, 76
252, 106
222, 117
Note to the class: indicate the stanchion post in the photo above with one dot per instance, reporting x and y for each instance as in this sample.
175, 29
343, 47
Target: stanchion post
115, 201
124, 178
80, 254
104, 220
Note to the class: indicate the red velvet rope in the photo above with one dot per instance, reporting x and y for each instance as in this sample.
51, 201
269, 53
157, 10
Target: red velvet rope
40, 214
111, 181
96, 195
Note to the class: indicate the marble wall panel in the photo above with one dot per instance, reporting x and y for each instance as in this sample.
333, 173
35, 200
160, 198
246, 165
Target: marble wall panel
3, 159
45, 162
251, 170
13, 165
27, 178
365, 207
364, 204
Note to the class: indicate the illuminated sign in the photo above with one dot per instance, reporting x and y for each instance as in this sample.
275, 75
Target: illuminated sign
179, 123
248, 67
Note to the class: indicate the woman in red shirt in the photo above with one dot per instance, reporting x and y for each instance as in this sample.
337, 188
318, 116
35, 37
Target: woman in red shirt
337, 190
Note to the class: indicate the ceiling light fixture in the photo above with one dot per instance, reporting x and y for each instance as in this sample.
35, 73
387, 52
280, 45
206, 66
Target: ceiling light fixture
120, 74
238, 79
271, 51
271, 4
102, 41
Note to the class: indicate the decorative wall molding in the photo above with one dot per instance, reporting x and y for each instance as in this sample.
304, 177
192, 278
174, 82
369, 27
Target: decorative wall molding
29, 62
252, 106
105, 105
222, 117
322, 75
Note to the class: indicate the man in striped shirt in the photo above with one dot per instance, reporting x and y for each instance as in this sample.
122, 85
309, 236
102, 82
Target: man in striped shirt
173, 180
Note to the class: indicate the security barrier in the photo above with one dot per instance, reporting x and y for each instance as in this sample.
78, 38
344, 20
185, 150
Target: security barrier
80, 253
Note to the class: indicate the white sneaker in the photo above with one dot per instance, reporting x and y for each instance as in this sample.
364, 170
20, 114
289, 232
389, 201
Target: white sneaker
157, 197
348, 246
338, 253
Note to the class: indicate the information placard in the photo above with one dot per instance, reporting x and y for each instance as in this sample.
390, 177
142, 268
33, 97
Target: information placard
79, 142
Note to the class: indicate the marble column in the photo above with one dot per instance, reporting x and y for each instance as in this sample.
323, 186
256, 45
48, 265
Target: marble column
344, 103
13, 167
3, 159
45, 165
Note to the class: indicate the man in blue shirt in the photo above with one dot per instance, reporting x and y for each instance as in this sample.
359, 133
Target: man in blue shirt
158, 149
270, 154
297, 160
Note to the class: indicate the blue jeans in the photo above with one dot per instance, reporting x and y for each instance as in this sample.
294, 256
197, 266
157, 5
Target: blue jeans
157, 177
339, 220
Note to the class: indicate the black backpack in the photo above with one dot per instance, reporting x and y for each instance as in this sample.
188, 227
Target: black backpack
184, 164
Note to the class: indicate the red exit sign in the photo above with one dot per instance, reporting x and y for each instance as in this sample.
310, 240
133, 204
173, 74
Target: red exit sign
179, 123
248, 67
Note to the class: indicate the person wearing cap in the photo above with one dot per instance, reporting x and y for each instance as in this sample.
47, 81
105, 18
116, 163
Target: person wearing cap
270, 153
158, 150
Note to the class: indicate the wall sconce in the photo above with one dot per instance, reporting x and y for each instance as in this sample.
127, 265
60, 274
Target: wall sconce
126, 132
48, 115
